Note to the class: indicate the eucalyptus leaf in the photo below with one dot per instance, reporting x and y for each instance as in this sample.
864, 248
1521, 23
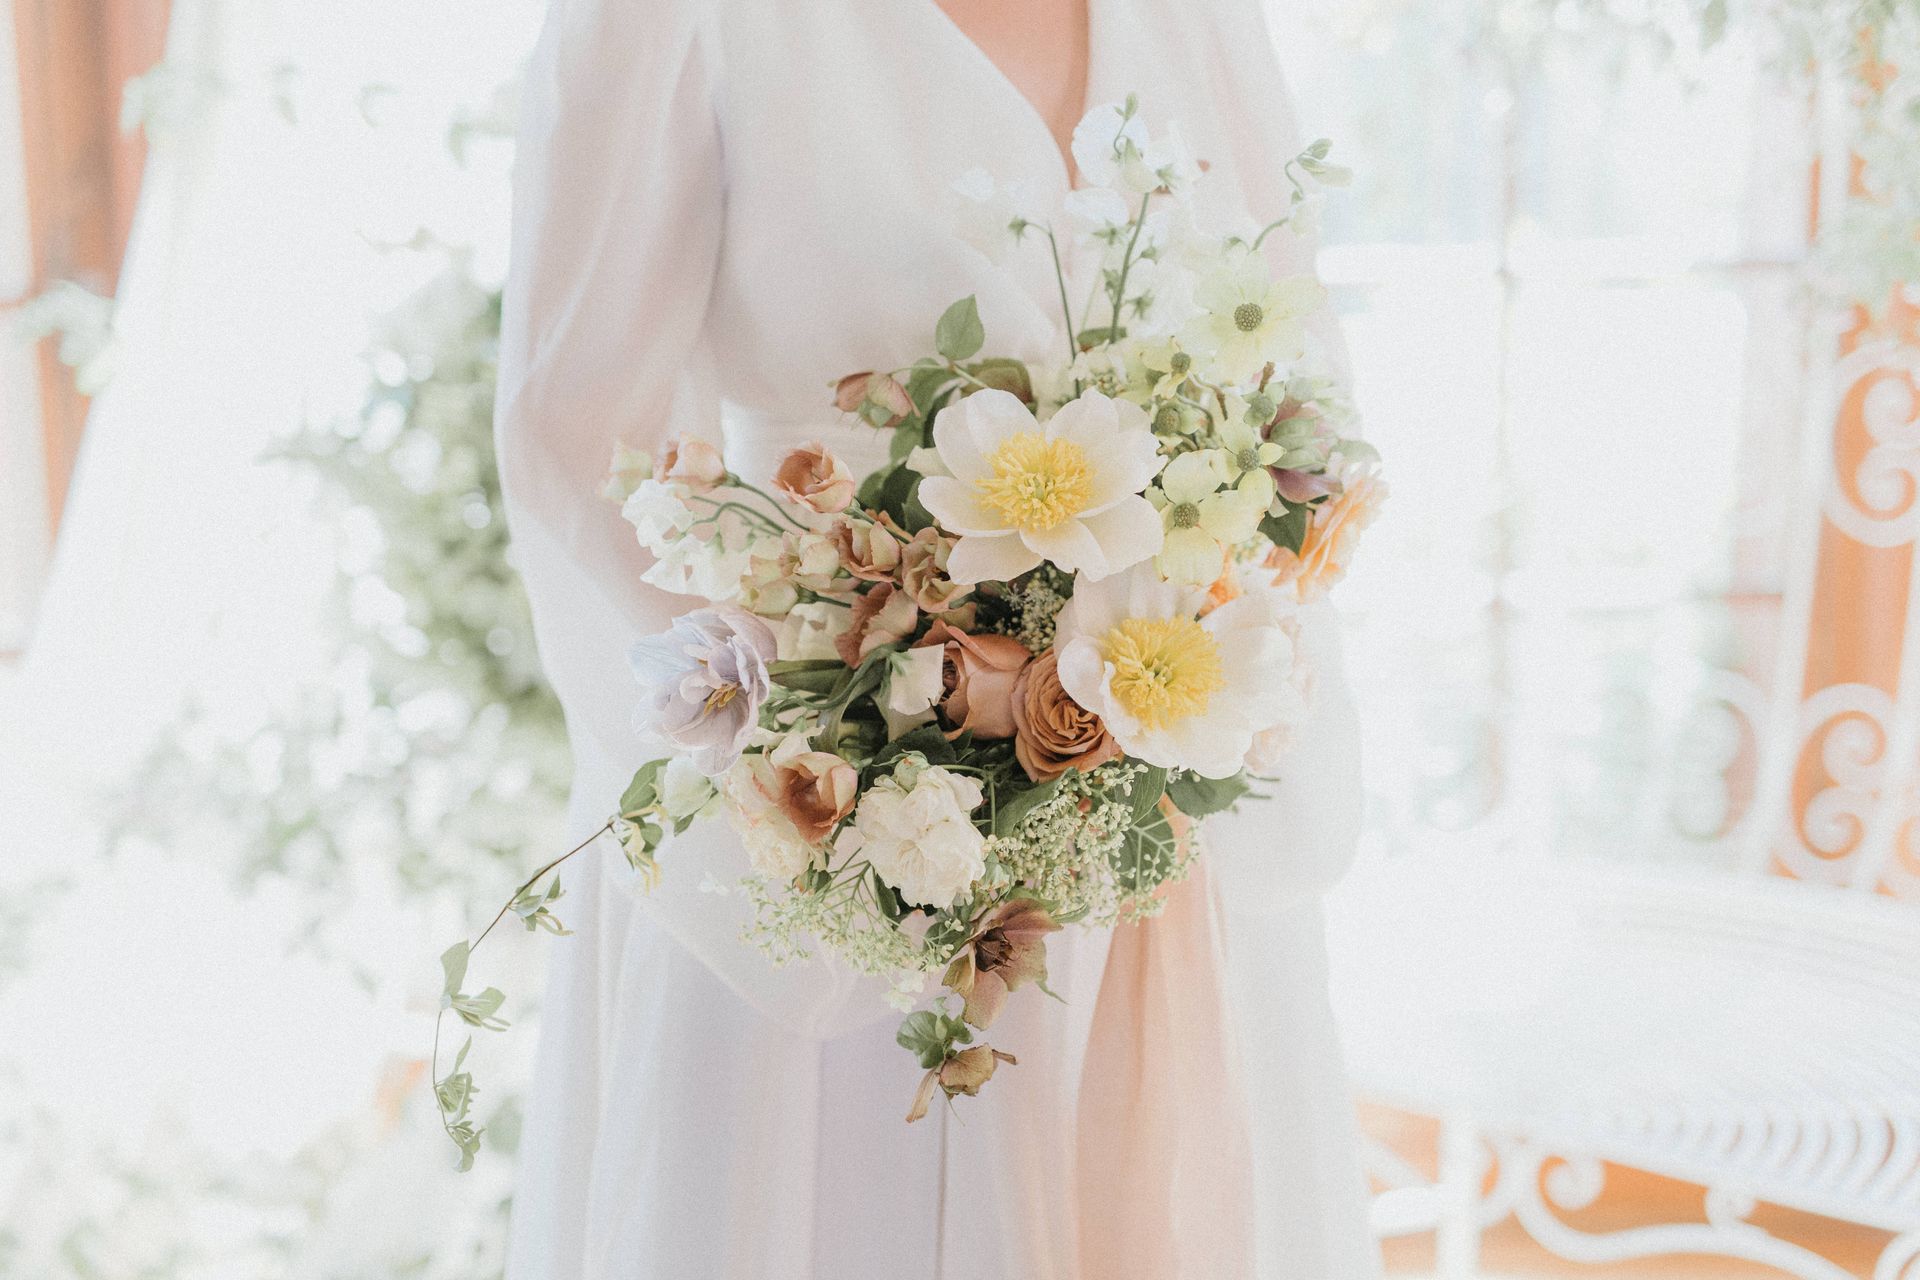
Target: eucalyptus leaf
960, 335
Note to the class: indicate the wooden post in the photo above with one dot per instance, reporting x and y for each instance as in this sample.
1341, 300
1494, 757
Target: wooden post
82, 172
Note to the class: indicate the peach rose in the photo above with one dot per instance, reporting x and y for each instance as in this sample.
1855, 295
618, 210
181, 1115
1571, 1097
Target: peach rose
813, 790
869, 549
1052, 732
691, 462
923, 572
878, 398
812, 477
884, 615
978, 680
1331, 532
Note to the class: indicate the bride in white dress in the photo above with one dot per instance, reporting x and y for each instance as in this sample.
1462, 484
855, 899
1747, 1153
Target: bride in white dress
723, 205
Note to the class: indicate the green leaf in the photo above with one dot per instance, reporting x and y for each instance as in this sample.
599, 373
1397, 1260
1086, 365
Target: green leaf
467, 1138
479, 1011
960, 335
1004, 374
925, 385
453, 962
1148, 787
931, 1035
906, 438
1199, 797
808, 676
928, 740
1289, 530
644, 791
1013, 810
1147, 856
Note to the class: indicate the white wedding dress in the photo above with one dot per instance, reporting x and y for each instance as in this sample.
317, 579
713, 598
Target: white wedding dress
722, 206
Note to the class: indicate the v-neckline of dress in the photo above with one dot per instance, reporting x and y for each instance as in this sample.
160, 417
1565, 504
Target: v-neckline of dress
1062, 157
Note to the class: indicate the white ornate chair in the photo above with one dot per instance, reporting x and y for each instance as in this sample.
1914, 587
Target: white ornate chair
1759, 1037
1751, 1033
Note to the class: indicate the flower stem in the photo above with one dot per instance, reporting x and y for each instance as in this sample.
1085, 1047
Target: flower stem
1066, 307
1126, 266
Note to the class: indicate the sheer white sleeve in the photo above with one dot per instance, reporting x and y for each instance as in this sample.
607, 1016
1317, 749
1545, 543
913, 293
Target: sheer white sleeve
619, 204
617, 223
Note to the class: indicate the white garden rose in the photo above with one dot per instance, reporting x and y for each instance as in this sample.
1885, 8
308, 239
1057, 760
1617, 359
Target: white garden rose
913, 826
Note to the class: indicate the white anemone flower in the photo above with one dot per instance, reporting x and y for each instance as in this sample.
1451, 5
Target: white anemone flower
1204, 513
1020, 494
1249, 318
1175, 690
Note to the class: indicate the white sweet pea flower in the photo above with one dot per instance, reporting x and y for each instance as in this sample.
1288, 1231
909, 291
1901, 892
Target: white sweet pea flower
1021, 494
713, 567
1111, 149
914, 679
658, 512
987, 214
1175, 690
1250, 318
1204, 514
808, 632
1102, 141
1097, 209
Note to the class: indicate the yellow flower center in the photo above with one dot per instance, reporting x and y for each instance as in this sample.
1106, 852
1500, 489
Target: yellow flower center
1249, 316
1164, 669
1037, 483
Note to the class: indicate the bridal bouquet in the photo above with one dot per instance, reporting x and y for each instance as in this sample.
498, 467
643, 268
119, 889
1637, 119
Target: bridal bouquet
988, 690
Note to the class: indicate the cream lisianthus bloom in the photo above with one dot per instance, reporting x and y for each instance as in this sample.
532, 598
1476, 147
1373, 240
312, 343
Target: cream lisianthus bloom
1204, 513
1249, 318
1176, 691
1020, 493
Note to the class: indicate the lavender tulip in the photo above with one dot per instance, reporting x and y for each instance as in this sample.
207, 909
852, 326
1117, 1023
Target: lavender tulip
704, 680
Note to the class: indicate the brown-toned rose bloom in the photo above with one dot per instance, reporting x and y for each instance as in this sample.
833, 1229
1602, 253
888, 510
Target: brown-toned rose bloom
1009, 951
1052, 732
813, 790
691, 462
870, 549
978, 679
883, 616
923, 572
877, 397
815, 479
